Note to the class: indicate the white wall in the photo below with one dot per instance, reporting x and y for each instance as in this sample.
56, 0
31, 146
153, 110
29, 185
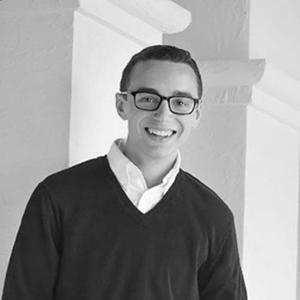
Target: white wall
35, 92
100, 52
272, 232
99, 56
274, 33
271, 208
220, 29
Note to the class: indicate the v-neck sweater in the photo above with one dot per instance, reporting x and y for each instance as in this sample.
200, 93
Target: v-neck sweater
81, 238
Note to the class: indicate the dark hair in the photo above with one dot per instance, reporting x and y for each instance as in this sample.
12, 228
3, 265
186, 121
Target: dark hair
161, 52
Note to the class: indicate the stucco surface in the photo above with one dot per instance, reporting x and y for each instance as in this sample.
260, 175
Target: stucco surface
274, 34
215, 154
271, 210
219, 29
35, 91
25, 5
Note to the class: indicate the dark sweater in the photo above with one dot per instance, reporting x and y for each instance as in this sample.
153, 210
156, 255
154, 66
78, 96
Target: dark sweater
81, 238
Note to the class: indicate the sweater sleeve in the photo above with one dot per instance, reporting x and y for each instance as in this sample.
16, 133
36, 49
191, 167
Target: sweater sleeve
33, 264
221, 278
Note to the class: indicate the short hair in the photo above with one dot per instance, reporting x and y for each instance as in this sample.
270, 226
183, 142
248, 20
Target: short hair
161, 52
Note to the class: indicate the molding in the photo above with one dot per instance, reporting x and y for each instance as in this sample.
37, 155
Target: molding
228, 82
240, 95
278, 95
165, 15
276, 108
143, 20
136, 37
110, 15
229, 73
281, 86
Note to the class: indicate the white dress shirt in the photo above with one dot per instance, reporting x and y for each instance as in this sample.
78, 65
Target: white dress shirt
132, 180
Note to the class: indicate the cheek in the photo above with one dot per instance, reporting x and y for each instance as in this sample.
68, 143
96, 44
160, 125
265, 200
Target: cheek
186, 128
135, 122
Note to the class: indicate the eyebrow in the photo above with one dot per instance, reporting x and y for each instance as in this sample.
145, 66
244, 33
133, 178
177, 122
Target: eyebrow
181, 93
175, 93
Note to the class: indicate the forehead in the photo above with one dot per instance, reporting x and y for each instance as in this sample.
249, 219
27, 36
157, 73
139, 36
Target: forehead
164, 76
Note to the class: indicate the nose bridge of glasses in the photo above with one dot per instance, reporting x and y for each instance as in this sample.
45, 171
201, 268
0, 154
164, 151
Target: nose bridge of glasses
166, 106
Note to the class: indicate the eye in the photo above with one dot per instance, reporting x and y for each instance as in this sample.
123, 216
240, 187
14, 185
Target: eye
148, 99
181, 102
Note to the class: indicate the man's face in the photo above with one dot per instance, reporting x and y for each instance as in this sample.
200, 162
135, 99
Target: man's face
147, 129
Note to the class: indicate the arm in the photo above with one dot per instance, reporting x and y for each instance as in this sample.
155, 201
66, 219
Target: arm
221, 278
33, 264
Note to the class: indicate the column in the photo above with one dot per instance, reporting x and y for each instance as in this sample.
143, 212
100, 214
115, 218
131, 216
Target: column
272, 188
106, 35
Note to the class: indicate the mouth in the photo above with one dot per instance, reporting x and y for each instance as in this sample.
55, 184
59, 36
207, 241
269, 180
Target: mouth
159, 133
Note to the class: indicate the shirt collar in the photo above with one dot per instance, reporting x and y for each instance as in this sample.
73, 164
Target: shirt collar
129, 174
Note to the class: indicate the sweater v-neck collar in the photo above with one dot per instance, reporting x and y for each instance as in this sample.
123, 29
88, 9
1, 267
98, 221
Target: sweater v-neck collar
133, 181
164, 206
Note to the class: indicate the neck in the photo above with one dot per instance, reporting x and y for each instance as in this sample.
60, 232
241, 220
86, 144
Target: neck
156, 171
153, 169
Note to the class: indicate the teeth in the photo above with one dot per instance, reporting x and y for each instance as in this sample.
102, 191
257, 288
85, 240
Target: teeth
160, 132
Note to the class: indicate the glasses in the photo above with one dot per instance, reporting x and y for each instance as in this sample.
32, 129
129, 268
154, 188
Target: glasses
179, 105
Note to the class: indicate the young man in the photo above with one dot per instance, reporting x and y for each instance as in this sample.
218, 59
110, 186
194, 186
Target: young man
132, 225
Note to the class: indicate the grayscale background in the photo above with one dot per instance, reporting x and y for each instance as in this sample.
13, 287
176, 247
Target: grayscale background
60, 66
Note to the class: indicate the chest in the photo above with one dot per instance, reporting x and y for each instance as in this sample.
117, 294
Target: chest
156, 241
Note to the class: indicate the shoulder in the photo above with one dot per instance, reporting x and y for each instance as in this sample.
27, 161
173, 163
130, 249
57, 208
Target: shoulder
78, 177
205, 202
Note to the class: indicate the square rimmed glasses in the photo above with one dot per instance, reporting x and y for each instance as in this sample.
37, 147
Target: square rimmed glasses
150, 101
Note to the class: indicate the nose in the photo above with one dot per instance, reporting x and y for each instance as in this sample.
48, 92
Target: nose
163, 112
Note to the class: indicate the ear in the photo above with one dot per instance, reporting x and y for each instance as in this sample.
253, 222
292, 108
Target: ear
197, 115
121, 105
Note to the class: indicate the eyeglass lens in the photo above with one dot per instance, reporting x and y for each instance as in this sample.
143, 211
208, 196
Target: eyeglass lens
178, 104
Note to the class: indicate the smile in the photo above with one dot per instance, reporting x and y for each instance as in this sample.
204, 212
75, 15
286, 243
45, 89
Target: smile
160, 133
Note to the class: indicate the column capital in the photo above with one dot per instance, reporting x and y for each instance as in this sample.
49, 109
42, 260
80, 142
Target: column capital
278, 94
165, 15
143, 20
281, 86
230, 81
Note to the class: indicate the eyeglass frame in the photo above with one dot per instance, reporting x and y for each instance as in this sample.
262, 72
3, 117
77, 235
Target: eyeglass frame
197, 101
